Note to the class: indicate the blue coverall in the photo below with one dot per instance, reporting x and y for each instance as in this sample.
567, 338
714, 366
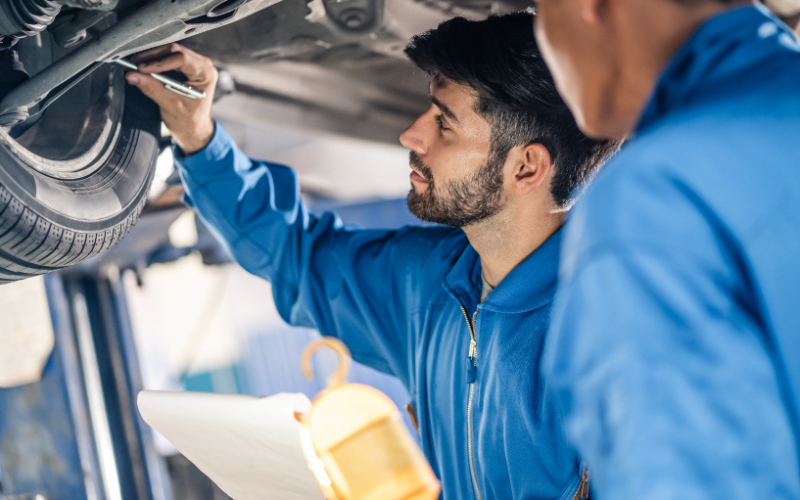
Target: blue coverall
675, 343
406, 302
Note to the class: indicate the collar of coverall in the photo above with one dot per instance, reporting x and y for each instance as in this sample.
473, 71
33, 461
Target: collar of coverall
528, 286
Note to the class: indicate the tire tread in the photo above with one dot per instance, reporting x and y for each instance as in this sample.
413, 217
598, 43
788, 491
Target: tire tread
31, 245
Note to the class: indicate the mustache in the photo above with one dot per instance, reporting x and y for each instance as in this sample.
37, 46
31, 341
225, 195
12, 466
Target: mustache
420, 167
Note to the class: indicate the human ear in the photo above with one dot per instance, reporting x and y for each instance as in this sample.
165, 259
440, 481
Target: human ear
531, 166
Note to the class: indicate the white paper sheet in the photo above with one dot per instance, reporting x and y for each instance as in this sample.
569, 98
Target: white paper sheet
249, 446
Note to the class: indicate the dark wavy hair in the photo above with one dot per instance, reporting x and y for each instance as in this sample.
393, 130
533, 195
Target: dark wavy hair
499, 59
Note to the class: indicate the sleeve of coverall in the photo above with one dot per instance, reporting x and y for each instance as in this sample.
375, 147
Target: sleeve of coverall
347, 284
666, 383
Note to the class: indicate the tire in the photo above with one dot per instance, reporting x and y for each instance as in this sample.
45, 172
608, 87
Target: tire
70, 189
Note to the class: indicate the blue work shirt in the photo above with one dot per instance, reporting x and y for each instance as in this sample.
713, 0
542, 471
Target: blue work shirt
405, 301
675, 343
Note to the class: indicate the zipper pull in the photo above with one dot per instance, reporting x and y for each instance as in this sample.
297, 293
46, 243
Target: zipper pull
473, 347
472, 369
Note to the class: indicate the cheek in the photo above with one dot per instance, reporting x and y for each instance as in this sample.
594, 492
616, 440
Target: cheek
457, 159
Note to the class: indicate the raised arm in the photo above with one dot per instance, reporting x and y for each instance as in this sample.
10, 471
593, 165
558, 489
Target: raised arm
323, 276
355, 285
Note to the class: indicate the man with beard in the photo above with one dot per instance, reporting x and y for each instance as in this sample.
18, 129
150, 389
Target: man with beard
675, 339
458, 313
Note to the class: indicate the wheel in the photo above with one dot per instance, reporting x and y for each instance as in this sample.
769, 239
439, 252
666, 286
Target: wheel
74, 183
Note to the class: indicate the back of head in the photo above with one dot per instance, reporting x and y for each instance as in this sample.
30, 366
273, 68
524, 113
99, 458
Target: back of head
499, 59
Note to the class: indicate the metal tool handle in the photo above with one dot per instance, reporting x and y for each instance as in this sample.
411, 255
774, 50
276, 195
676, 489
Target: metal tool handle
177, 87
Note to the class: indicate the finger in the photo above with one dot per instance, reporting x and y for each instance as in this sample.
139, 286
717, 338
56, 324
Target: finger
200, 72
154, 53
169, 62
193, 67
152, 88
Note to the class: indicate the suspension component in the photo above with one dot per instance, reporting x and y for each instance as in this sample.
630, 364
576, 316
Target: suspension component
90, 4
155, 23
21, 18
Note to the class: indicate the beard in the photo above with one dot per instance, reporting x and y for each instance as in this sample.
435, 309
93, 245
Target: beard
462, 202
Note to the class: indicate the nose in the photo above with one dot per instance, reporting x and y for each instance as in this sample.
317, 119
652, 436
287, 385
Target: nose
413, 137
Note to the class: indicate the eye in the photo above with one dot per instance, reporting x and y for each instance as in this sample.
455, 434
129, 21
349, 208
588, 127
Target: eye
440, 122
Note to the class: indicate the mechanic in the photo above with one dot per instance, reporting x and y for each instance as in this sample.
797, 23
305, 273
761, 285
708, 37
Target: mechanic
675, 339
458, 313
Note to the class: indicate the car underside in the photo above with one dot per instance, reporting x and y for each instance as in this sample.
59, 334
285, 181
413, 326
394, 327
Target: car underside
78, 146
